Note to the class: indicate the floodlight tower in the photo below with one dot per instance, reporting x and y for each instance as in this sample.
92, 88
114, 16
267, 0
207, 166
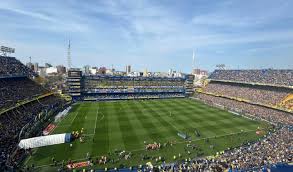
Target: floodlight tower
69, 55
221, 66
6, 50
193, 60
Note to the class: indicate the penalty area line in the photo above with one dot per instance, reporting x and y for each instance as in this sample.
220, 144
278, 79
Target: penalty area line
74, 117
97, 114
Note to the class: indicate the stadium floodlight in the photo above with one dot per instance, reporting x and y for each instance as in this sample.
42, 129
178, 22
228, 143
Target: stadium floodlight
221, 66
7, 50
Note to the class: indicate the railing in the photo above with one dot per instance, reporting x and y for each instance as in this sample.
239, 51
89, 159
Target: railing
25, 102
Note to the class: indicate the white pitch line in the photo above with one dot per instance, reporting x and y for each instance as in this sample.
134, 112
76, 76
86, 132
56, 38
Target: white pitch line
97, 114
74, 117
102, 117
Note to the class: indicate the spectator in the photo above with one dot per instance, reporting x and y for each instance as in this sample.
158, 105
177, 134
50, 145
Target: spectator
17, 89
270, 96
10, 66
266, 76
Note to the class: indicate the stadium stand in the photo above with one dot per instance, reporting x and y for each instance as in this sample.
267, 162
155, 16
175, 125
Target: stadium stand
10, 66
265, 76
272, 115
15, 89
24, 106
256, 94
14, 120
287, 102
103, 87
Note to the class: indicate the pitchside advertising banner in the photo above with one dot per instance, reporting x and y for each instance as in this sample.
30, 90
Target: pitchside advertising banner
49, 129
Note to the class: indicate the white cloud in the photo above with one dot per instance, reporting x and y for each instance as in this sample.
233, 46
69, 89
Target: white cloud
58, 18
12, 7
143, 32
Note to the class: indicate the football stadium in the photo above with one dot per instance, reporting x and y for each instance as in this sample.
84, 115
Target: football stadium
146, 86
238, 120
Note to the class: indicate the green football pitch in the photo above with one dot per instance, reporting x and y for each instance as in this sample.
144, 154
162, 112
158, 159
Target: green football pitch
111, 127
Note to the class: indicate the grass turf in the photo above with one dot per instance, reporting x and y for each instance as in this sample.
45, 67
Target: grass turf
126, 125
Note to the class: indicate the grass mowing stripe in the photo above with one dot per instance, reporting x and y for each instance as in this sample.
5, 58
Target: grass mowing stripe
97, 114
173, 117
124, 125
129, 137
212, 126
114, 133
190, 122
182, 116
81, 149
164, 123
101, 138
149, 127
226, 136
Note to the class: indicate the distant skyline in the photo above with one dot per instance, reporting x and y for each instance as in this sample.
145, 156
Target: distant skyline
155, 34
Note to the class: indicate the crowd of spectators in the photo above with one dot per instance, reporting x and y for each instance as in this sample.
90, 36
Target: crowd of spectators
153, 89
268, 114
275, 148
265, 76
12, 122
17, 89
107, 85
112, 81
19, 108
288, 104
259, 94
10, 66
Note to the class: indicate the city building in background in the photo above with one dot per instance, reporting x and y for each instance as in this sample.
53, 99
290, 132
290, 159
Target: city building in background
128, 69
199, 77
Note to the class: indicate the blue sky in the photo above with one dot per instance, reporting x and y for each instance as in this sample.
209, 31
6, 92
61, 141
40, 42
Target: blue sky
153, 34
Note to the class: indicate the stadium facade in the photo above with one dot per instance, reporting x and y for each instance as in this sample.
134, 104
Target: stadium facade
109, 87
